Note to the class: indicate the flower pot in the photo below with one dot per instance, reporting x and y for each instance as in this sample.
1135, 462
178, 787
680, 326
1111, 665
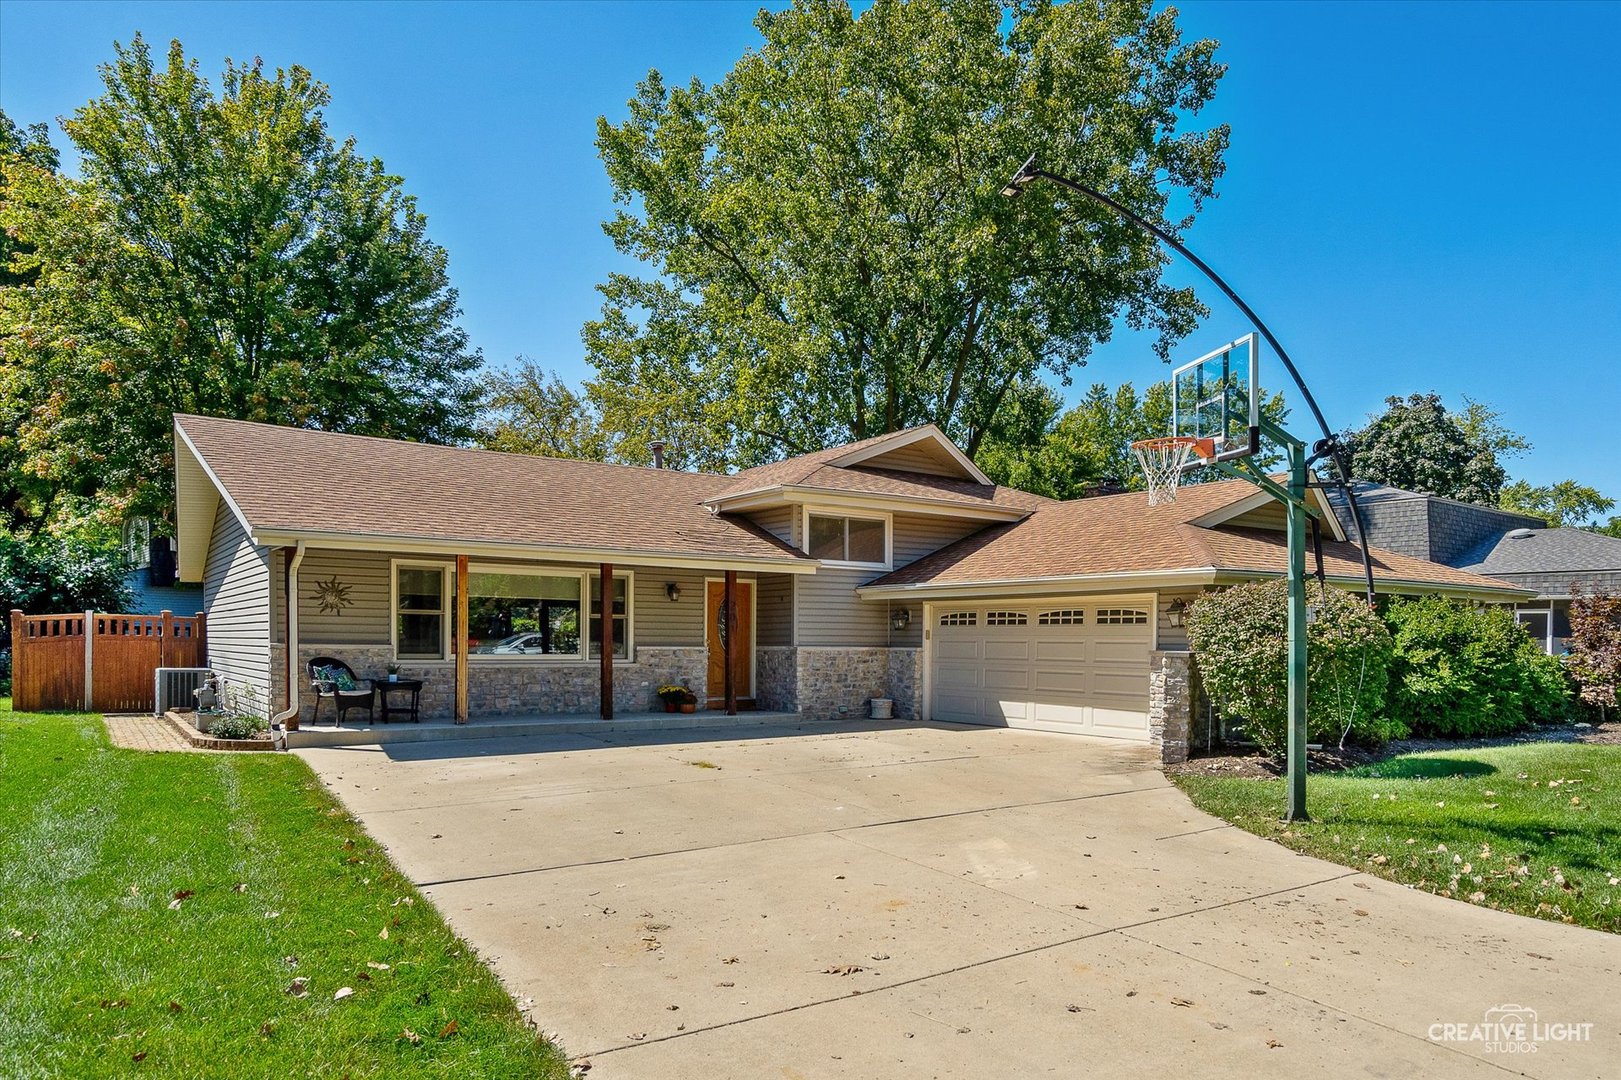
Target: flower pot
669, 706
393, 677
689, 706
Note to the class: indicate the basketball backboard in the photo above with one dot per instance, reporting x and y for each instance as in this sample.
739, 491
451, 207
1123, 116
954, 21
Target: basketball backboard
1216, 397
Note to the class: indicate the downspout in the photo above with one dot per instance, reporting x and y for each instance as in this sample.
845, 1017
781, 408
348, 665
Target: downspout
290, 600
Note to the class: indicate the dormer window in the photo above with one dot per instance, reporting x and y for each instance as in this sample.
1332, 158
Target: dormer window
854, 541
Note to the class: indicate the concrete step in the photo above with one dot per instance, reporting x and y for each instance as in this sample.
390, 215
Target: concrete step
510, 726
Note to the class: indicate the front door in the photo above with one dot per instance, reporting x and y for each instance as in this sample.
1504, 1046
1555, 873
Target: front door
742, 647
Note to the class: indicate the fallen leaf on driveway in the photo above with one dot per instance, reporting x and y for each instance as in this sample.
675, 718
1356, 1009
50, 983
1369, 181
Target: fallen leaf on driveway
729, 960
843, 969
1182, 1003
1358, 911
1273, 1044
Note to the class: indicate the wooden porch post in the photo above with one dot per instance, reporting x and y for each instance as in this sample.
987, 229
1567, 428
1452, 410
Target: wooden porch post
461, 639
730, 603
605, 643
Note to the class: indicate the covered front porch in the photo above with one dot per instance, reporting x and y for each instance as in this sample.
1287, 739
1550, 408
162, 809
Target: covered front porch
512, 641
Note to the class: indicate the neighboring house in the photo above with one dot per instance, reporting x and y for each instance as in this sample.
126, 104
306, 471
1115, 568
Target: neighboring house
890, 567
151, 574
1517, 548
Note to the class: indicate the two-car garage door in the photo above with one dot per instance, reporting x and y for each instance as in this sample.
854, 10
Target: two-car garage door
1073, 665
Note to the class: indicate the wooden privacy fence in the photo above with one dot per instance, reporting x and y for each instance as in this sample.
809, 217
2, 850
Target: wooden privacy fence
93, 660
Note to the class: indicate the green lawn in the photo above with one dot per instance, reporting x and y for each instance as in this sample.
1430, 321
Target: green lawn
1533, 828
155, 909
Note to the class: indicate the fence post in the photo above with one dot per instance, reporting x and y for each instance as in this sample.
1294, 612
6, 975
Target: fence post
16, 651
165, 649
199, 630
89, 656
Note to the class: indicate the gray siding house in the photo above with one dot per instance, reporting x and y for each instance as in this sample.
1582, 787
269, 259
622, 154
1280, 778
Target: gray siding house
887, 568
1515, 548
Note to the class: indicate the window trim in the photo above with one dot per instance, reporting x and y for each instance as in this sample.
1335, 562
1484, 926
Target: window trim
447, 590
810, 510
584, 575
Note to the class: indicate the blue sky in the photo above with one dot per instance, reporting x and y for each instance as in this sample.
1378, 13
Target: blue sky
1418, 197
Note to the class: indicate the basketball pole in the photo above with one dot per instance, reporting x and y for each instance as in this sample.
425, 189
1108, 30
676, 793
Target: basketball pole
1298, 524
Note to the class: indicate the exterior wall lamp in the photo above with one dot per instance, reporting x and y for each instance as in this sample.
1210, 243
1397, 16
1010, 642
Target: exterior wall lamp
900, 618
1176, 611
673, 591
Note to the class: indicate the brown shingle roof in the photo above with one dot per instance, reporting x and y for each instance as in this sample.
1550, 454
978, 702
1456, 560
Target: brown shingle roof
1122, 534
297, 480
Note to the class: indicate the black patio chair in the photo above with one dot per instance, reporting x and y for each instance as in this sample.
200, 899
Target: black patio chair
322, 670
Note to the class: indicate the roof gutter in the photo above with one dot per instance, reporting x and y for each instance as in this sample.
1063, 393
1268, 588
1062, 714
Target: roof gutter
290, 603
408, 545
1045, 586
798, 493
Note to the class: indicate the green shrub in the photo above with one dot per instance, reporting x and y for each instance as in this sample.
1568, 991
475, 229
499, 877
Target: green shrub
236, 726
1462, 671
1240, 640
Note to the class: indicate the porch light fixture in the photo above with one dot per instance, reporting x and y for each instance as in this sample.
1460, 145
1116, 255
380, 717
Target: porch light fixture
673, 591
900, 618
1177, 609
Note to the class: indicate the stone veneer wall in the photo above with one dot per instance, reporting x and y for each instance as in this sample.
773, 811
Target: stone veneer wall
776, 678
906, 682
509, 687
836, 683
1170, 703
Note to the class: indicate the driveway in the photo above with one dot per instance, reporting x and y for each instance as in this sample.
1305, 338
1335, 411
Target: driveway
929, 901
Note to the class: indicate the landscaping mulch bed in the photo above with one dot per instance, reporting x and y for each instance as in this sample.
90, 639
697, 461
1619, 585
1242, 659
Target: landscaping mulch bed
1329, 759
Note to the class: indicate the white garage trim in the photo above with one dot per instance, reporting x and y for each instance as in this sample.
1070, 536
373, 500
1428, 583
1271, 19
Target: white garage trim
1082, 660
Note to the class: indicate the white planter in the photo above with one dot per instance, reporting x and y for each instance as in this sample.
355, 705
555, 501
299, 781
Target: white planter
883, 708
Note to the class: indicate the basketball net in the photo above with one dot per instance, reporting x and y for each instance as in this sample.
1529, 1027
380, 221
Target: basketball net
1163, 461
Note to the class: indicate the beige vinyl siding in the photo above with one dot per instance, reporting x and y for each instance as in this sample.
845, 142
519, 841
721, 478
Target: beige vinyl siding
920, 457
830, 613
774, 610
236, 595
1174, 637
781, 522
658, 621
1271, 515
365, 619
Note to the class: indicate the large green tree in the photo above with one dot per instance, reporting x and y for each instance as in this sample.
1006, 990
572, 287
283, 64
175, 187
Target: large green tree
827, 253
1418, 445
1565, 503
222, 254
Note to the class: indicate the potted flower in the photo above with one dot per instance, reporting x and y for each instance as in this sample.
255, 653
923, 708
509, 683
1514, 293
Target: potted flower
672, 695
393, 673
689, 700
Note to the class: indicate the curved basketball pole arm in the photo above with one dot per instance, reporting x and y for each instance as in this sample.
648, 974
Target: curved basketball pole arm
1328, 446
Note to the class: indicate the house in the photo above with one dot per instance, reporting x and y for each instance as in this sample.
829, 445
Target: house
888, 568
149, 575
1517, 548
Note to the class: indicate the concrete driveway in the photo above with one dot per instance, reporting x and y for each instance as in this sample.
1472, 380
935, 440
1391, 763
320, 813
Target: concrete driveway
930, 901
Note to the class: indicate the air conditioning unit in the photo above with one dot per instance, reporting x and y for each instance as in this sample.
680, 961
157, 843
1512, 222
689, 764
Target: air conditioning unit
176, 688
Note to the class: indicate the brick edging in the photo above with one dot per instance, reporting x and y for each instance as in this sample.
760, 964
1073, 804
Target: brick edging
190, 733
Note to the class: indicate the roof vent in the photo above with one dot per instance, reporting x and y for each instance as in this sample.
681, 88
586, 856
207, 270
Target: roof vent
657, 446
1521, 534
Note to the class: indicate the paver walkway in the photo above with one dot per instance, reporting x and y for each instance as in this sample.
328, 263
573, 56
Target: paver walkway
138, 731
924, 901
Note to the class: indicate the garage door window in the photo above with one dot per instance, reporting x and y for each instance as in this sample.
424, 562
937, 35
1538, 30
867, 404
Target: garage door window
960, 618
1122, 617
1062, 617
1006, 618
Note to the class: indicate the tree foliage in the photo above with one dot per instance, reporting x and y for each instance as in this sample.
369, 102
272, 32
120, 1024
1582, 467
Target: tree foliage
1565, 503
1240, 640
46, 575
1088, 448
1595, 644
531, 410
19, 146
828, 253
1418, 445
222, 254
1462, 671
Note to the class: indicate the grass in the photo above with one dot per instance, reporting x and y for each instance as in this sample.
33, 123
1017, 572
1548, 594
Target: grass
156, 908
1533, 828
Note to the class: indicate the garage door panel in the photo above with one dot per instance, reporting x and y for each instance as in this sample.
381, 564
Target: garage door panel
954, 648
998, 649
1080, 676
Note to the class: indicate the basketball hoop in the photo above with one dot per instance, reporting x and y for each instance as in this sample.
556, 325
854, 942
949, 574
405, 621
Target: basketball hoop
1163, 461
